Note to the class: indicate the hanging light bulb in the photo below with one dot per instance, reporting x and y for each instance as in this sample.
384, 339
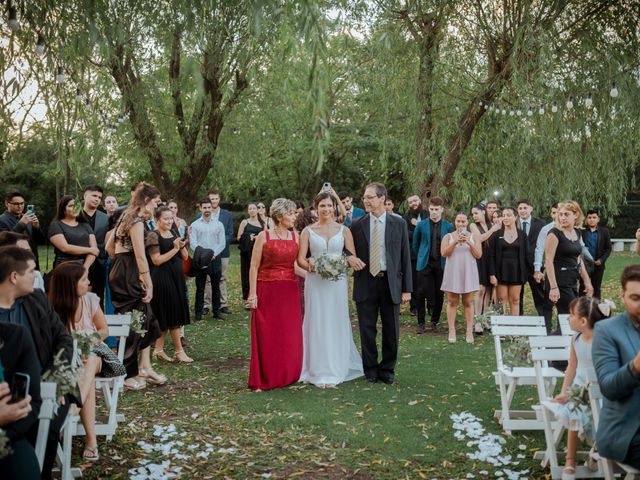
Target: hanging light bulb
87, 102
504, 111
588, 101
14, 23
40, 44
60, 75
554, 107
486, 106
519, 112
530, 112
480, 103
614, 90
570, 103
78, 94
121, 118
511, 113
541, 109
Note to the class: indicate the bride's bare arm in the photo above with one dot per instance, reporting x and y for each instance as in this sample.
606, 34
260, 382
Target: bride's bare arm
353, 261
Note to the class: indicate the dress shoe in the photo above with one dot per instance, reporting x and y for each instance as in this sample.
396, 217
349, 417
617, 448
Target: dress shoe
218, 315
420, 329
206, 310
434, 327
225, 310
390, 380
413, 312
371, 380
198, 317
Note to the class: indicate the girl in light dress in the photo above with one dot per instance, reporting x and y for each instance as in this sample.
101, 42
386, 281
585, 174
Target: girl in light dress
584, 312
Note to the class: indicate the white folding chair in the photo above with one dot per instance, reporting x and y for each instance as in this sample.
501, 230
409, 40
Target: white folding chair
47, 412
508, 377
563, 322
608, 467
543, 351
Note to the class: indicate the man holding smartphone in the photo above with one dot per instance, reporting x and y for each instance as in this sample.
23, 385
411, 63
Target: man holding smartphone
14, 219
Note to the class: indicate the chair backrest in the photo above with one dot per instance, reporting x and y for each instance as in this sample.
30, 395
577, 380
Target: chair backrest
563, 322
595, 395
514, 326
119, 327
543, 351
47, 410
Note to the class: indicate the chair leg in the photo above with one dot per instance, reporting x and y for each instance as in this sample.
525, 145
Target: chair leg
503, 401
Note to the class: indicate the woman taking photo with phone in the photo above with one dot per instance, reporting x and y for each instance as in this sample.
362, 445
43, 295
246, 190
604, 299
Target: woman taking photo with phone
167, 251
460, 277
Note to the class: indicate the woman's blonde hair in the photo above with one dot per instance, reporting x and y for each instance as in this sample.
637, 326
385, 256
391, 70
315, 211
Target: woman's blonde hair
574, 207
280, 207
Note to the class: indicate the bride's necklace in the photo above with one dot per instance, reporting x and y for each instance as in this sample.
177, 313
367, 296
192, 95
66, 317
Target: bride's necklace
286, 235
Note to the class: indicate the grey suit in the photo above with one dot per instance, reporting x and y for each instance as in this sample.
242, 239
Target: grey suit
383, 293
616, 342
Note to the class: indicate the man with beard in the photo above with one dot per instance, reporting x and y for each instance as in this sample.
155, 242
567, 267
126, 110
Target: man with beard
414, 215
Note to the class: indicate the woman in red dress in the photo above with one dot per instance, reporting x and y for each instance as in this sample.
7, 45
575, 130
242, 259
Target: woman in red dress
276, 318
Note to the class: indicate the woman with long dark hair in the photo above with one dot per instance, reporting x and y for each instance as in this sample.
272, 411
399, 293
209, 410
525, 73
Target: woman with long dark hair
131, 284
247, 232
71, 235
80, 311
482, 228
167, 251
507, 264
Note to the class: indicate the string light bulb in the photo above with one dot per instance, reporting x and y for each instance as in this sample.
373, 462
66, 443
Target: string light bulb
60, 75
614, 90
78, 94
570, 103
554, 107
541, 109
589, 100
530, 112
504, 111
14, 23
519, 112
511, 113
486, 107
40, 44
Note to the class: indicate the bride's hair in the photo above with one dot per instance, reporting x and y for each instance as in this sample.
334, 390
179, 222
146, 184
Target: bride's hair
321, 196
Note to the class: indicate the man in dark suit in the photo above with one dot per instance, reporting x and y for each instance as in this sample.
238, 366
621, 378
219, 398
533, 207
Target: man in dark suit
382, 243
353, 213
531, 227
99, 222
598, 241
414, 215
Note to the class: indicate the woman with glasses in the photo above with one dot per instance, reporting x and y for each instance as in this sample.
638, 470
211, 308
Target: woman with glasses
262, 213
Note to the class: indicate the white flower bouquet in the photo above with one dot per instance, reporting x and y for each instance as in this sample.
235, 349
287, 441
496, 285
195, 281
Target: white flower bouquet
331, 266
5, 445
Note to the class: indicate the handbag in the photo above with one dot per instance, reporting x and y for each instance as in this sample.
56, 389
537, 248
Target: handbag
111, 364
186, 266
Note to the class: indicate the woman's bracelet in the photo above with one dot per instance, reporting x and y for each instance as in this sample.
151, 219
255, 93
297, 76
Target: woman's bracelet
554, 288
252, 297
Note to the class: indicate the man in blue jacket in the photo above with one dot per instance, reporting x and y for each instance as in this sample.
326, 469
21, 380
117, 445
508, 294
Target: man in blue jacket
616, 357
224, 217
430, 264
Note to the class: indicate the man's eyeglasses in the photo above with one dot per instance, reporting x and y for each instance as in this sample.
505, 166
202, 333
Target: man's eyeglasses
17, 204
370, 197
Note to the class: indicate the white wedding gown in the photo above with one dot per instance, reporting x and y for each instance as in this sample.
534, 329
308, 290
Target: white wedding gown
330, 356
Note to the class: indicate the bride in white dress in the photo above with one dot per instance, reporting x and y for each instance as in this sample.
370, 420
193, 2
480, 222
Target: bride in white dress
330, 356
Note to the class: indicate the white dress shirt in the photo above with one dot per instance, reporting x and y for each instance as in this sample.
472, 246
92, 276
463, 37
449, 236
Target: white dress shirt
528, 220
541, 244
382, 219
208, 234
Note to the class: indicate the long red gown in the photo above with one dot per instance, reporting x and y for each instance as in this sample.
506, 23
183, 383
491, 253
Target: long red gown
276, 325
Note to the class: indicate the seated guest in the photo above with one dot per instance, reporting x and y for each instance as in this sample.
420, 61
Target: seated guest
14, 219
616, 357
18, 355
21, 305
22, 241
72, 236
79, 309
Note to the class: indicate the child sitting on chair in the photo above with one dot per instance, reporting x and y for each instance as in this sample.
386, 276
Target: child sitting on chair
584, 312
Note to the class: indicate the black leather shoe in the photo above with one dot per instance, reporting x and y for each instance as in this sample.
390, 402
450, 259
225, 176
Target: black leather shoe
434, 327
371, 380
218, 315
205, 311
413, 312
420, 329
388, 380
198, 317
225, 310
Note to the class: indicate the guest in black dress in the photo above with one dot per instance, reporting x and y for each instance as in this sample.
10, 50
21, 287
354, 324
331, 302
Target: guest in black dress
482, 228
131, 285
507, 265
72, 236
563, 261
167, 251
247, 232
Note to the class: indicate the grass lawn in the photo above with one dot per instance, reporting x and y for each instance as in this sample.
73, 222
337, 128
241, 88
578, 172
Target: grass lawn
361, 431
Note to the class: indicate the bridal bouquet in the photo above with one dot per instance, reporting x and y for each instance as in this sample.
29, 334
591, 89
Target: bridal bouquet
331, 266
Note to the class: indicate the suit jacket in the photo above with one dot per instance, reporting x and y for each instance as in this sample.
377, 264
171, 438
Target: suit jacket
603, 249
532, 239
226, 219
398, 257
421, 242
494, 265
411, 228
356, 213
616, 342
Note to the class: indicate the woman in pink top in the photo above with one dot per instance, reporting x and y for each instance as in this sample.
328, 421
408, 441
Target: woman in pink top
80, 311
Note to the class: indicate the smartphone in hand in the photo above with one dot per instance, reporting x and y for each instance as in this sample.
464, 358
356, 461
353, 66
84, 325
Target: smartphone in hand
20, 387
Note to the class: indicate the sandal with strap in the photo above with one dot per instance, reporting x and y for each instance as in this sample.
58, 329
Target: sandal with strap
182, 357
91, 454
159, 354
569, 473
134, 383
152, 377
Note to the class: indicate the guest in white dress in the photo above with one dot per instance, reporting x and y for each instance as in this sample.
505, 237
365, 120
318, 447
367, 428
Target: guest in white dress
330, 356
